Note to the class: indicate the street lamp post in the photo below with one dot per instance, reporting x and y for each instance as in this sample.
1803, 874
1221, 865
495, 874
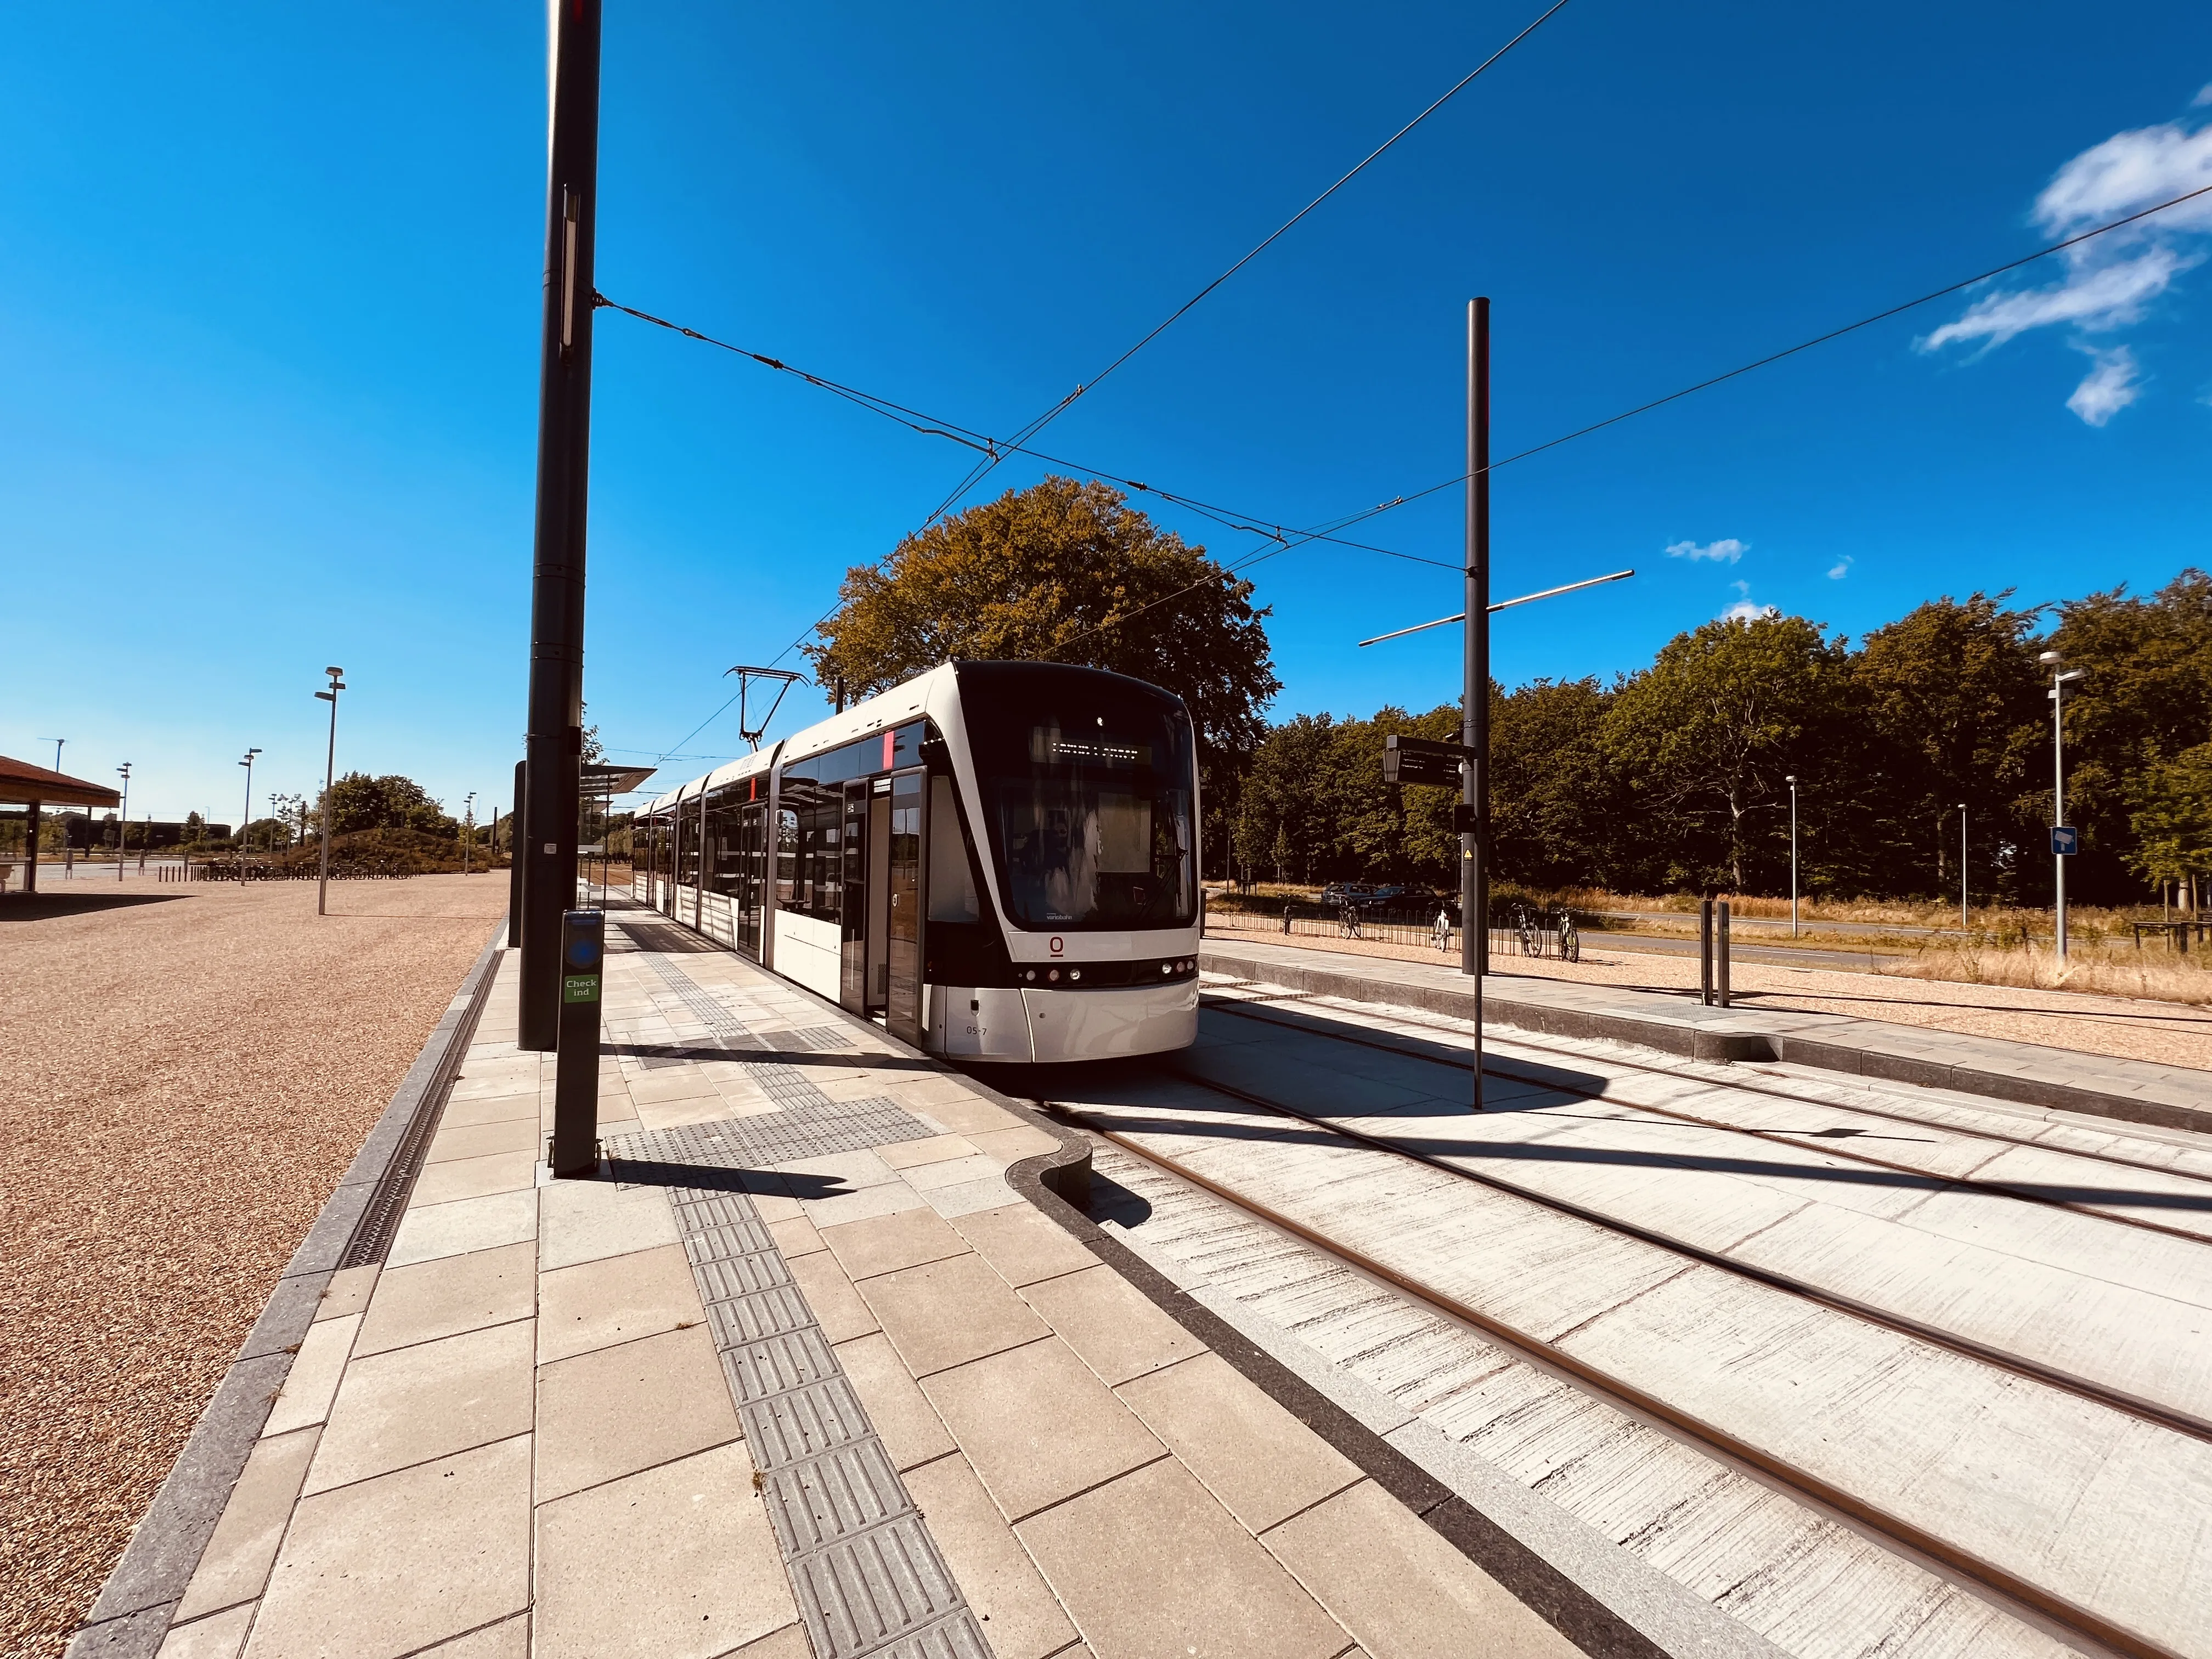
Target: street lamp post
1962, 868
123, 819
1792, 781
245, 823
330, 774
2052, 660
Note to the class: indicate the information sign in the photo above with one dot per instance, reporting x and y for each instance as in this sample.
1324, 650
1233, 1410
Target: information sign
1419, 760
2066, 840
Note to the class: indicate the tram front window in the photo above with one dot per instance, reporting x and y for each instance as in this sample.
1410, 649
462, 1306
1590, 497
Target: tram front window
1090, 810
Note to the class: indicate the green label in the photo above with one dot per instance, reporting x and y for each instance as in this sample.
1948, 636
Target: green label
580, 988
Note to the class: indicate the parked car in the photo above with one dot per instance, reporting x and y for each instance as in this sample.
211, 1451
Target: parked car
1338, 894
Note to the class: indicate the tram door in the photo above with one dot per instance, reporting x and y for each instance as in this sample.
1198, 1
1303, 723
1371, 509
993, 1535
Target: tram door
902, 1010
880, 896
852, 943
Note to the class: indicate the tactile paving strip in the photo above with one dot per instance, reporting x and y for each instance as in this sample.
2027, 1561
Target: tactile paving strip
866, 1574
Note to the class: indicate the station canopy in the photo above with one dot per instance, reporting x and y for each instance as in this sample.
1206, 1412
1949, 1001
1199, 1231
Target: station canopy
605, 782
24, 783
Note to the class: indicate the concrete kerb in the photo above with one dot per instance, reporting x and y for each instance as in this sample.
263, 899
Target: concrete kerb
131, 1614
2019, 1072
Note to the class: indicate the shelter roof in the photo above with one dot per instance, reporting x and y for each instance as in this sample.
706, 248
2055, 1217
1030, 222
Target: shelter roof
612, 780
20, 781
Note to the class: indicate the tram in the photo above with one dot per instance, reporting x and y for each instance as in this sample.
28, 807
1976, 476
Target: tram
995, 861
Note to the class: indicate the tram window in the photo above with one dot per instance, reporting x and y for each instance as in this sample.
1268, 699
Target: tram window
787, 860
1088, 808
952, 876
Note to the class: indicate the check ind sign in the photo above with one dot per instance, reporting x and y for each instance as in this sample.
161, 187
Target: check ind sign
579, 988
1419, 760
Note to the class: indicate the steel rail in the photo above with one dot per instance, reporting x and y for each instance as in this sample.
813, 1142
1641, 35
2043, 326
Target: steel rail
2024, 1194
1617, 1391
2148, 1411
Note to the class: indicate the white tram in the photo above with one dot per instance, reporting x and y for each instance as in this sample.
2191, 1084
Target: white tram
996, 860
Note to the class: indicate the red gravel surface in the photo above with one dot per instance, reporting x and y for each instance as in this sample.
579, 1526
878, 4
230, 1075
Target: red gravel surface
185, 1074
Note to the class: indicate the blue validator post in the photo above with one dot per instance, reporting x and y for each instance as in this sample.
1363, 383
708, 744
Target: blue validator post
576, 1067
2065, 841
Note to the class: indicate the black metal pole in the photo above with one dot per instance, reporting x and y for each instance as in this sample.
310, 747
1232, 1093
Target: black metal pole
1706, 952
1721, 951
515, 865
1474, 695
556, 742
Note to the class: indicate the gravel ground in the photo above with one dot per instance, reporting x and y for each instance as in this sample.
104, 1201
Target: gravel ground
2172, 1034
184, 1073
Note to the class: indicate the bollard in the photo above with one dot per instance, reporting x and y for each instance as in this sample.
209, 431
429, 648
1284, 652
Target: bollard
576, 1149
1721, 953
1706, 952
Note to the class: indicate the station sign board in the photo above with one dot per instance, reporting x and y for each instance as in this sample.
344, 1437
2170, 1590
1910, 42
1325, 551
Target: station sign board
1419, 760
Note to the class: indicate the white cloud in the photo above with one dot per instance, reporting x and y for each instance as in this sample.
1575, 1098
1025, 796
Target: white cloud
1841, 568
2111, 297
2109, 387
2110, 280
1745, 611
2202, 98
1727, 550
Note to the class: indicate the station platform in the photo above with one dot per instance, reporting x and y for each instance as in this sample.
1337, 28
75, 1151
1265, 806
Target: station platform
820, 1364
2025, 1073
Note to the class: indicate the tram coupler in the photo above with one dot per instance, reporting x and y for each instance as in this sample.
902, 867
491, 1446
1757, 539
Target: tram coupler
575, 1150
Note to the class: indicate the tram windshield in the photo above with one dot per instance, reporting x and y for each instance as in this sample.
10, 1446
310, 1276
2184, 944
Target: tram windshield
1086, 780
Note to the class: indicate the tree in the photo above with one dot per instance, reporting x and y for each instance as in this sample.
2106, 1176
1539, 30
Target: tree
2145, 696
2172, 818
358, 801
1555, 817
1706, 737
1065, 572
1952, 692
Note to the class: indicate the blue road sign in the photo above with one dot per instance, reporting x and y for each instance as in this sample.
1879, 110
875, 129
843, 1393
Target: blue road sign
2065, 839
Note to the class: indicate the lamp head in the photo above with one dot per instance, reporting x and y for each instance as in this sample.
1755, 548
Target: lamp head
1791, 780
2051, 656
334, 672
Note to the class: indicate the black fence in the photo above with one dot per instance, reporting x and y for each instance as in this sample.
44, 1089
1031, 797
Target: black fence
1550, 933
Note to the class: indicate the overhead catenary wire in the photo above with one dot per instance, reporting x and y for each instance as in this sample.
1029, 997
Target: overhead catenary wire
1285, 541
983, 468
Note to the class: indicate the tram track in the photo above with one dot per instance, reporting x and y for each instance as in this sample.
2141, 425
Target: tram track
2179, 1422
1609, 1382
1802, 1143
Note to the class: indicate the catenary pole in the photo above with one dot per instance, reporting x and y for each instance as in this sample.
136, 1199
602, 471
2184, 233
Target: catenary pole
1474, 692
1962, 869
330, 778
554, 748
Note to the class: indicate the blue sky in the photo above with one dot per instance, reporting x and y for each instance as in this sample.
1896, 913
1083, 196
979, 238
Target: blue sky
272, 282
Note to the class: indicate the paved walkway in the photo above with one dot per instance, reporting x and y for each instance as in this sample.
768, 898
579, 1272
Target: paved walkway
802, 1373
2175, 1097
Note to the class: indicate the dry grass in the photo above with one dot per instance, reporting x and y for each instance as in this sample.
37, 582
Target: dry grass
2099, 968
2131, 1028
184, 1073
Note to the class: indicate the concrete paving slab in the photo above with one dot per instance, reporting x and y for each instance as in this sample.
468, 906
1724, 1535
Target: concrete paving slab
943, 1314
909, 1427
1260, 1462
616, 1411
1434, 1604
580, 1221
347, 1291
886, 1244
616, 1299
1024, 1619
392, 1565
1038, 1425
475, 1177
474, 1223
428, 1300
236, 1564
411, 1405
677, 1561
1116, 1329
218, 1637
316, 1372
1151, 1564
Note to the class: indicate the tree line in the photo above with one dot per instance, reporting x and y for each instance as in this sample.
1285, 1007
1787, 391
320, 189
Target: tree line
1675, 777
